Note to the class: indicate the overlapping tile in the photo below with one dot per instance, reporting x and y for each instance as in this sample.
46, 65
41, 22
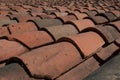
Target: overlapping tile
58, 39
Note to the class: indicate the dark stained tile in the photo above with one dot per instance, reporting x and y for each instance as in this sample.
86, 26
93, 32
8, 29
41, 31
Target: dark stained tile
107, 52
14, 72
81, 71
61, 31
4, 31
109, 71
46, 22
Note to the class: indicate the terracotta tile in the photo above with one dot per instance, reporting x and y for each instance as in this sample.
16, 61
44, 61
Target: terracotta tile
51, 61
22, 27
4, 18
3, 12
61, 31
32, 39
47, 22
84, 42
79, 15
82, 24
19, 9
81, 71
4, 31
67, 18
10, 48
107, 52
58, 14
14, 72
109, 71
116, 24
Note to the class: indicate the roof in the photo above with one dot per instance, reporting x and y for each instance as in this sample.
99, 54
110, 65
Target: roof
59, 41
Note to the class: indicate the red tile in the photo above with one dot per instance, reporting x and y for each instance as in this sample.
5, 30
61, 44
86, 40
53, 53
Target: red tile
82, 24
87, 43
32, 39
116, 24
79, 15
4, 18
4, 31
3, 12
22, 27
51, 61
67, 18
9, 49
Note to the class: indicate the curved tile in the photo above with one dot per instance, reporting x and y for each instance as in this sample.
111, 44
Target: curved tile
9, 49
14, 72
81, 71
22, 27
56, 58
67, 18
61, 31
32, 39
82, 24
106, 52
46, 22
84, 42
